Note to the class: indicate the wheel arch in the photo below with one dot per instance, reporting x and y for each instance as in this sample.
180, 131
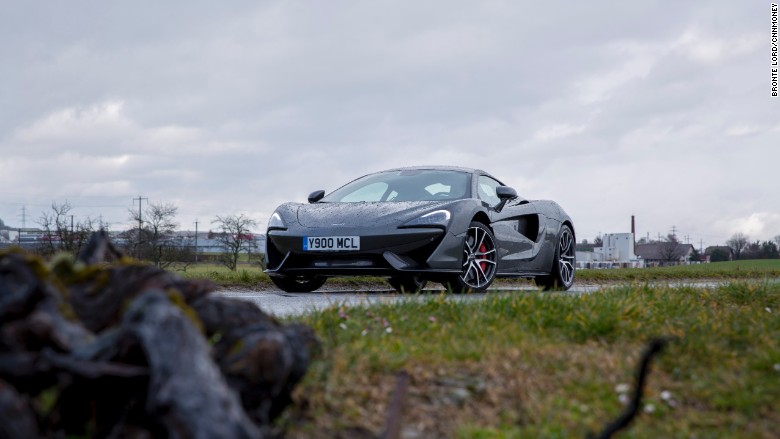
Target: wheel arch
483, 218
571, 226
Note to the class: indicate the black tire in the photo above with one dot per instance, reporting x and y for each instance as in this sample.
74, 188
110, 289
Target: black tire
479, 261
561, 275
407, 284
298, 284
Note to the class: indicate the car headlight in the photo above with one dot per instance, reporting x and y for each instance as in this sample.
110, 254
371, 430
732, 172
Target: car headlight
437, 218
276, 222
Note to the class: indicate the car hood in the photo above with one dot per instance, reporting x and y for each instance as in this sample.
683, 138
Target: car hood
363, 214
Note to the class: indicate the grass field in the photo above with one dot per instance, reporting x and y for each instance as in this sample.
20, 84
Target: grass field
534, 365
251, 275
750, 269
530, 365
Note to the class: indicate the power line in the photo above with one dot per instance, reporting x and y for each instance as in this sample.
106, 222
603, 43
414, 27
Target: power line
5, 203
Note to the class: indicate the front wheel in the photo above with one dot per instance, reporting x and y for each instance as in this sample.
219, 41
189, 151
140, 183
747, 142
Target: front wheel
298, 284
479, 261
561, 275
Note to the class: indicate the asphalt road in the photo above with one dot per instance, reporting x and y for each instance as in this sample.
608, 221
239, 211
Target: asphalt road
284, 304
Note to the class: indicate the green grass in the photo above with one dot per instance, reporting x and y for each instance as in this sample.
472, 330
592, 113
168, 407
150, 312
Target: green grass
251, 276
248, 276
535, 365
748, 269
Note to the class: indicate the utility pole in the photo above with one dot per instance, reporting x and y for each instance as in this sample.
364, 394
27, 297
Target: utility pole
196, 240
140, 222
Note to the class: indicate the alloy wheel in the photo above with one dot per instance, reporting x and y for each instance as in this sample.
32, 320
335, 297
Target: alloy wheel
566, 257
479, 258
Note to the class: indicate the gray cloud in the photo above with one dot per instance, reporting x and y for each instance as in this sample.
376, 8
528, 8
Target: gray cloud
647, 108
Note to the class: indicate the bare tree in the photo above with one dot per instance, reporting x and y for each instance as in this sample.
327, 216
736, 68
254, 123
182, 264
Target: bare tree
670, 249
154, 240
61, 230
235, 236
178, 253
738, 243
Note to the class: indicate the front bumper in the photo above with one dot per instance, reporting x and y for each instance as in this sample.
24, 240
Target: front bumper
382, 253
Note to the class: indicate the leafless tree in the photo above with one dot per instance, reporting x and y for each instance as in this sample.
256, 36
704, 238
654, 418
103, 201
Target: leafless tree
61, 230
235, 236
738, 243
178, 253
154, 240
670, 249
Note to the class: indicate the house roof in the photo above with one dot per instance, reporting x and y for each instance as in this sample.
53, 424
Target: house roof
656, 251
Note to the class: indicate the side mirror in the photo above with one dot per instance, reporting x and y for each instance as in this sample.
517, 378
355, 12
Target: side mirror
316, 196
504, 193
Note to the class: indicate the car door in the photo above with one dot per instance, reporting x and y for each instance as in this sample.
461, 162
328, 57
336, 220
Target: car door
517, 227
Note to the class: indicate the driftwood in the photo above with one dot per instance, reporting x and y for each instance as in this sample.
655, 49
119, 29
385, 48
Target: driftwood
18, 416
127, 350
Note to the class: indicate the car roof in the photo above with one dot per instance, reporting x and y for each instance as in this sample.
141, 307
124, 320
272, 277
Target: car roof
437, 168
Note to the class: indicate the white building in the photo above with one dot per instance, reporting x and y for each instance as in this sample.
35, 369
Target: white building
617, 250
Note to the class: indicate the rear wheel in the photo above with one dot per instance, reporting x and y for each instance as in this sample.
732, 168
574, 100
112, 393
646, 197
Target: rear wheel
298, 284
407, 284
479, 261
561, 275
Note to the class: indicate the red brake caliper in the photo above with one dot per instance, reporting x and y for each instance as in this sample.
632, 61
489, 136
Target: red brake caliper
483, 249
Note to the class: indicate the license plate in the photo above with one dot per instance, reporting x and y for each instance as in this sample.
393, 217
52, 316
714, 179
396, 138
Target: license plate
331, 243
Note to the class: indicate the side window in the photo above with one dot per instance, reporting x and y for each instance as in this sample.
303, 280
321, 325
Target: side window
486, 190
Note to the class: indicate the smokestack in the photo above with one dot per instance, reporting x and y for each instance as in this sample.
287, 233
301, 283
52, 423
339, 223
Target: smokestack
633, 230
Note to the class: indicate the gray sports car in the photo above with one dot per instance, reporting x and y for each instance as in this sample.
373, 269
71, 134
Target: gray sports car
461, 227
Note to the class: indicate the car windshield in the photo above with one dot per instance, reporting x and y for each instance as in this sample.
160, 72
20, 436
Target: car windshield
404, 185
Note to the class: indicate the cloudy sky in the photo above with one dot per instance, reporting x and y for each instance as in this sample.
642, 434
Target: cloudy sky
657, 109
